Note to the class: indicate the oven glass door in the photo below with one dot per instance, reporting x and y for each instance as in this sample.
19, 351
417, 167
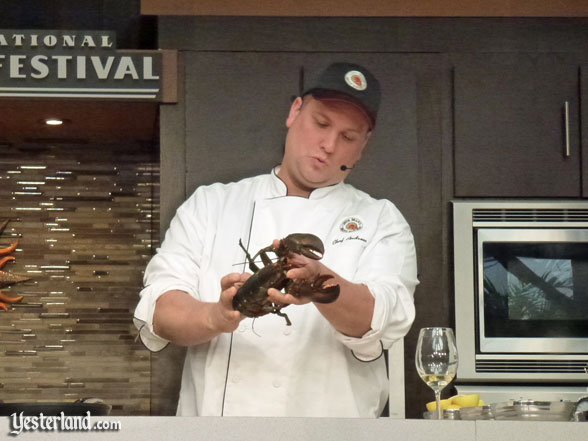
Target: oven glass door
534, 285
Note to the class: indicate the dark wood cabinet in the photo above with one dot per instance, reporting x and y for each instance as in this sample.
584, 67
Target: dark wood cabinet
517, 125
584, 127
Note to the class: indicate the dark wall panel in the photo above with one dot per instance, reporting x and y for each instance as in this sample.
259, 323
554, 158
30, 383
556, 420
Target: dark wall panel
374, 34
133, 31
237, 104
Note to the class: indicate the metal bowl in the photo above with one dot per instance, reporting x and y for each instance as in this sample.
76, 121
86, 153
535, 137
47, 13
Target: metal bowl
545, 410
534, 410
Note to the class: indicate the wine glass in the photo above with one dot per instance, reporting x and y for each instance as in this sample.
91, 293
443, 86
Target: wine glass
436, 360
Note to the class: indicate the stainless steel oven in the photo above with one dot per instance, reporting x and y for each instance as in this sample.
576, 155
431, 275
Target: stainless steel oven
521, 290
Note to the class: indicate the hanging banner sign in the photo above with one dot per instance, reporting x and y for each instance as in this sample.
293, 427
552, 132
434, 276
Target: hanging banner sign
75, 64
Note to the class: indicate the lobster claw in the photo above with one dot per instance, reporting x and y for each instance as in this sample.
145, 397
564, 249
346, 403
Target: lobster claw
315, 289
306, 244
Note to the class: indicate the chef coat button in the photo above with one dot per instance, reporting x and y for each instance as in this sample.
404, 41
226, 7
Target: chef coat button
235, 379
276, 383
288, 330
242, 328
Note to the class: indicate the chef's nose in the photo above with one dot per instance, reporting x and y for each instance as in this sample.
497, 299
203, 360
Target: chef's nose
329, 141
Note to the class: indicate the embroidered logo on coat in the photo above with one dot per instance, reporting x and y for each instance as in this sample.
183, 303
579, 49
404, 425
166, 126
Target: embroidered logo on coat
350, 225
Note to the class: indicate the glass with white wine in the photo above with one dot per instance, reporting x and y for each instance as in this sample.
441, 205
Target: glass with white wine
436, 360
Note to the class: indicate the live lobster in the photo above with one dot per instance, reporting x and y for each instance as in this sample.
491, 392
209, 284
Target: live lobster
252, 299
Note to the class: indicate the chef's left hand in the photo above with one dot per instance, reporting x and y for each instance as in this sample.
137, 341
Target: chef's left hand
304, 269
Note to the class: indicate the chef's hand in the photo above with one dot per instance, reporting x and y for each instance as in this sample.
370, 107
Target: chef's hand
305, 268
223, 316
352, 312
181, 318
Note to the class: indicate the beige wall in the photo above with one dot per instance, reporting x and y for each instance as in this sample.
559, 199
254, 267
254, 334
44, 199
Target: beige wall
373, 8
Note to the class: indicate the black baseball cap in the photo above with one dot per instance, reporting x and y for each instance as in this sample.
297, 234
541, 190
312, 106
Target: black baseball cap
348, 82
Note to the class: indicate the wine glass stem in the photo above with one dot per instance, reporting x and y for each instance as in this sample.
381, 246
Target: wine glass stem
438, 401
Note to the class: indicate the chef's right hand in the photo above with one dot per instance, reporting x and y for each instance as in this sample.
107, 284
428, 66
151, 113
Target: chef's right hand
224, 317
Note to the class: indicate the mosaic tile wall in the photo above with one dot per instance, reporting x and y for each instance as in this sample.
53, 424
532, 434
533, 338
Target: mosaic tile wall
86, 218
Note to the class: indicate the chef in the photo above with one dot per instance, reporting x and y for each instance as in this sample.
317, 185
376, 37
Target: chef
329, 361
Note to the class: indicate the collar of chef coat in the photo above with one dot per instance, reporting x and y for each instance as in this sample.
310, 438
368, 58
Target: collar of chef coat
279, 188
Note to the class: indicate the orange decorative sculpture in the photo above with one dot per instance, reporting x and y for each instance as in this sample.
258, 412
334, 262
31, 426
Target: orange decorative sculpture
7, 279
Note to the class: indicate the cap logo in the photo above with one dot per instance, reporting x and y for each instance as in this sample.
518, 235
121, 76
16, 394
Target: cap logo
355, 79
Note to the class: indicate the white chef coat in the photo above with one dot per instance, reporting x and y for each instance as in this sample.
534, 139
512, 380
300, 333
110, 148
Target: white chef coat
266, 368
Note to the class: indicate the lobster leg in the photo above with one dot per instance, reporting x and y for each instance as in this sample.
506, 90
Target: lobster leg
252, 266
282, 314
261, 253
266, 260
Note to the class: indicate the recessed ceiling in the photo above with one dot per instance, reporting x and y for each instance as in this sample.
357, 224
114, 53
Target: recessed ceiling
86, 121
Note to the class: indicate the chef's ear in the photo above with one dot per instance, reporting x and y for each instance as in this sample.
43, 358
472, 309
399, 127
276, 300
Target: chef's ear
294, 111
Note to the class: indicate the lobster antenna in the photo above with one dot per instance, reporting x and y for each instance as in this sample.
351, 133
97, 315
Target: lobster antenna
253, 329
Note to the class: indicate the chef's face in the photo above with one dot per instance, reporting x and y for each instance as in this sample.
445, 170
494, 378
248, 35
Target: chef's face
323, 135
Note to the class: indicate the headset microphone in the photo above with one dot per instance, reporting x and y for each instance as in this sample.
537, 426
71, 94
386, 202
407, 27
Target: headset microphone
344, 167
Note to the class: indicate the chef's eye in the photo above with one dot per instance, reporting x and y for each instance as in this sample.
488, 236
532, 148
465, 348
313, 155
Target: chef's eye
348, 138
321, 123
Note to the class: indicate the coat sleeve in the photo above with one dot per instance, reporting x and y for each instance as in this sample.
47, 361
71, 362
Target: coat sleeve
388, 268
175, 266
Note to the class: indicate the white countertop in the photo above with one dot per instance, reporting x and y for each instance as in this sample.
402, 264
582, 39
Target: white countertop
323, 429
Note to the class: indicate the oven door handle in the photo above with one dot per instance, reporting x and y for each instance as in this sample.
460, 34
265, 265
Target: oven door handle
567, 128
